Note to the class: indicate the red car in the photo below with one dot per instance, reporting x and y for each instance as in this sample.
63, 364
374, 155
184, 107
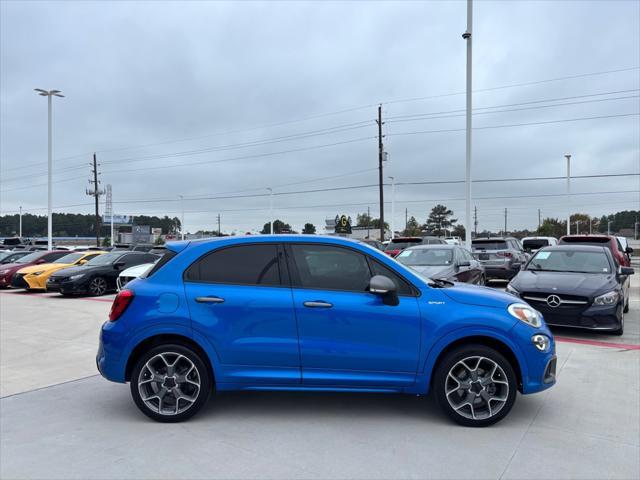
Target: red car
612, 243
8, 270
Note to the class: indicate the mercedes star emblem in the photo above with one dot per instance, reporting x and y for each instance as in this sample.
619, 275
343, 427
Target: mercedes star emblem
553, 301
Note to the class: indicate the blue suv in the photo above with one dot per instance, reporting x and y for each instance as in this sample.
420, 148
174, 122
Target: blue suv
313, 313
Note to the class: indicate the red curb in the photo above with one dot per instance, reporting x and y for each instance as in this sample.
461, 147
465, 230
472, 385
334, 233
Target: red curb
598, 343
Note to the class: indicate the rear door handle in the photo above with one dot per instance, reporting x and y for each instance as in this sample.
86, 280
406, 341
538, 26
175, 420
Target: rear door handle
209, 300
317, 304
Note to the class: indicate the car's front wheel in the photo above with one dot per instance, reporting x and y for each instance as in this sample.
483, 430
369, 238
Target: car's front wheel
475, 385
170, 383
97, 286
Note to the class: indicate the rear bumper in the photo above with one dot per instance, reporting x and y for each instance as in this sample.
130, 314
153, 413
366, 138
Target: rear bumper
506, 272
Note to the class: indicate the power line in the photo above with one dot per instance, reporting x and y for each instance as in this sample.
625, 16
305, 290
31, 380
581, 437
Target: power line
342, 111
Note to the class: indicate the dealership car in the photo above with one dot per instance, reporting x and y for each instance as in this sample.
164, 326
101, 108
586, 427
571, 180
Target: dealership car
612, 243
97, 276
576, 286
314, 313
35, 277
448, 262
132, 273
7, 271
501, 257
10, 256
397, 244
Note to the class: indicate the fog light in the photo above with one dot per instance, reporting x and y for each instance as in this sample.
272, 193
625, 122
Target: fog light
541, 342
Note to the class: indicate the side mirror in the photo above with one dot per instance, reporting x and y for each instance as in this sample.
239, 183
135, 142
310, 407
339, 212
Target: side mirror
464, 263
118, 265
41, 261
628, 251
83, 261
626, 271
384, 286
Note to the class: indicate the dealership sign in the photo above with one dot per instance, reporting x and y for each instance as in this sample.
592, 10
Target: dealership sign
117, 219
343, 224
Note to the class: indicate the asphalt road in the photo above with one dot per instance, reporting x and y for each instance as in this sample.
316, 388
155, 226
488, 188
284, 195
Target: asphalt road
58, 419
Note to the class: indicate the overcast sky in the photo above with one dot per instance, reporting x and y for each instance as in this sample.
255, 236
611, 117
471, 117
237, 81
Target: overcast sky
216, 99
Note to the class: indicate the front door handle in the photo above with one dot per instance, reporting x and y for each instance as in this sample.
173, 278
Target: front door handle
317, 304
209, 300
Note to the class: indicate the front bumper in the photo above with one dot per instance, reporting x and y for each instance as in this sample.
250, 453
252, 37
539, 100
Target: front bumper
540, 371
67, 287
594, 317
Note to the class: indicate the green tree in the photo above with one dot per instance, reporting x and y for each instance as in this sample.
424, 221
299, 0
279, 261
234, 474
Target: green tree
440, 219
413, 228
278, 227
363, 220
106, 242
458, 231
309, 229
552, 227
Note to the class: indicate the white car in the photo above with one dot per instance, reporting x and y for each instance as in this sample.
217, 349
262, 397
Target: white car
132, 273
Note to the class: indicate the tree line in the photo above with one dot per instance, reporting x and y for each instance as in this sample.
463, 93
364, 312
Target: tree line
75, 224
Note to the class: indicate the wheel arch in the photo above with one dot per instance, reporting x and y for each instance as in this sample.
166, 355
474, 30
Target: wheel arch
490, 341
163, 339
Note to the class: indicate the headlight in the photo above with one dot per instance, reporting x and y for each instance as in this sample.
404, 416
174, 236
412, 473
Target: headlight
38, 273
3, 272
526, 314
541, 342
512, 290
610, 298
76, 277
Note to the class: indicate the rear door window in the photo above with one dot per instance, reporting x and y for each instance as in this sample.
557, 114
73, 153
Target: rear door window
240, 265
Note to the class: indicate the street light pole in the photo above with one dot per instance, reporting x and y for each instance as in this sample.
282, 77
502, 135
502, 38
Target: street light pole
182, 216
609, 222
577, 227
393, 206
270, 210
568, 157
20, 223
49, 94
467, 36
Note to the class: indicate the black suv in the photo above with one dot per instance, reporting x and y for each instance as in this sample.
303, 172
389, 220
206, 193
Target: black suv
98, 276
502, 258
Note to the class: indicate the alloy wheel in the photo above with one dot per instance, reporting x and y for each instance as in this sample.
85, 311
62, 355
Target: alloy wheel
477, 388
98, 286
169, 383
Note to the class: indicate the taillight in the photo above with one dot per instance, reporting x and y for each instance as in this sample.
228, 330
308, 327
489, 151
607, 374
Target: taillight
504, 254
120, 304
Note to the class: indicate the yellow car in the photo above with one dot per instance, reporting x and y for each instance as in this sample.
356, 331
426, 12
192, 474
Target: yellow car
35, 277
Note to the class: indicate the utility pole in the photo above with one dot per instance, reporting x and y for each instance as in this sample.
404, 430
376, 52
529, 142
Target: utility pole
380, 174
20, 223
568, 157
539, 219
270, 210
95, 192
467, 36
368, 222
475, 221
635, 229
219, 232
505, 222
406, 219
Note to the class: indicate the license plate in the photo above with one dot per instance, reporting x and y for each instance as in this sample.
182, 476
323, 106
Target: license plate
483, 256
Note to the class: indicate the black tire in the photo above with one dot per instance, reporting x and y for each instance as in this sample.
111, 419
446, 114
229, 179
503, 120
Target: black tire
620, 330
626, 306
505, 378
97, 286
200, 396
483, 281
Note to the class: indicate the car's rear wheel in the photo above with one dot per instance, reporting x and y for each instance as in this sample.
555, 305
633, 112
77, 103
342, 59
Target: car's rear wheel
97, 286
170, 383
475, 385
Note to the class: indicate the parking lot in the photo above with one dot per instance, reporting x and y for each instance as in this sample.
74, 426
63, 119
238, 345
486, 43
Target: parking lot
59, 419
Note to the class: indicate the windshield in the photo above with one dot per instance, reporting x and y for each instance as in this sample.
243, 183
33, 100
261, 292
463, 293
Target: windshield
426, 257
104, 259
400, 245
568, 261
535, 244
32, 257
489, 245
71, 258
